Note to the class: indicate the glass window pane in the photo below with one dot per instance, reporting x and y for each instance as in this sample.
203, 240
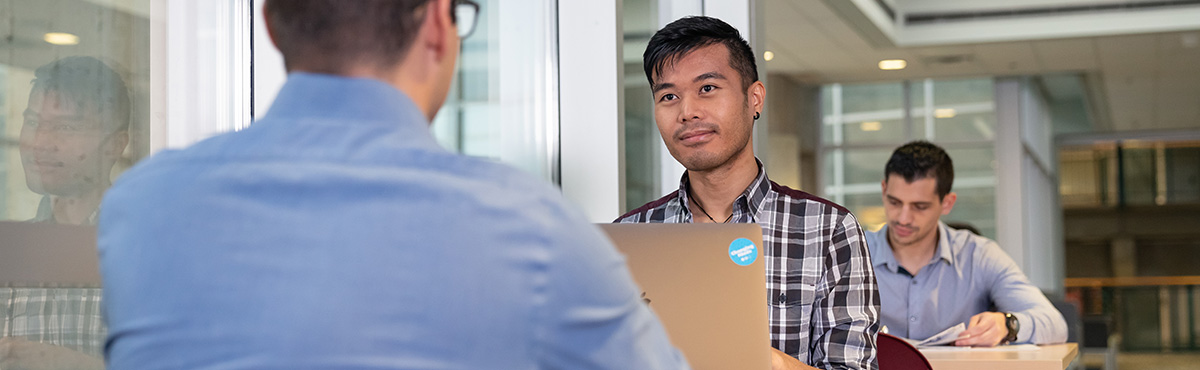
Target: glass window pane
503, 104
963, 110
75, 106
1183, 174
972, 164
1139, 175
870, 113
74, 97
975, 206
858, 98
955, 92
875, 131
965, 127
642, 140
866, 166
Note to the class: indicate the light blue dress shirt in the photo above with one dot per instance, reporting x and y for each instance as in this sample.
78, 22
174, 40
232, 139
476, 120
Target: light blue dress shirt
967, 275
335, 233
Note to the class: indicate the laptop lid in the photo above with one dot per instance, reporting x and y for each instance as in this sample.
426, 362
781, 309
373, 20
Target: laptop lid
706, 283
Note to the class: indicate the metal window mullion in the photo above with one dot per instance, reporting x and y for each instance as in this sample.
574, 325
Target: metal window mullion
929, 111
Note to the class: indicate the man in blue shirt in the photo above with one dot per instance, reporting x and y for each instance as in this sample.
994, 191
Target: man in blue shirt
336, 234
932, 277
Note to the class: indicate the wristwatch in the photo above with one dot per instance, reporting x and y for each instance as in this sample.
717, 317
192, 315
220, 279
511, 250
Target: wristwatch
1010, 321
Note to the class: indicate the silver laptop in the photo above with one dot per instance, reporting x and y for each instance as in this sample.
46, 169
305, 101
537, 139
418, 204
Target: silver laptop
42, 254
706, 282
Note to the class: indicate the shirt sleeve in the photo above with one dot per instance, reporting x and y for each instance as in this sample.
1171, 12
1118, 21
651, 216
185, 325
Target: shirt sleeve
594, 317
846, 320
1040, 322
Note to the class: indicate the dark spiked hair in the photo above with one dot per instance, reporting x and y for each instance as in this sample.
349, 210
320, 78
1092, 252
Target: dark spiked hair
919, 160
687, 34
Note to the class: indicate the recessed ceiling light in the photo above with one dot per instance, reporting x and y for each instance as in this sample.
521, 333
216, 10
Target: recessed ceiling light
61, 38
871, 126
945, 113
768, 55
892, 64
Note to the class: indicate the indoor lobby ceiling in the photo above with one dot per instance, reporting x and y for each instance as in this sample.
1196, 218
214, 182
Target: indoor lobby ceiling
1140, 80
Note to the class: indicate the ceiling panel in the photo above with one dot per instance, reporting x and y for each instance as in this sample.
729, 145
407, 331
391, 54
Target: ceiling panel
1130, 54
1067, 54
1131, 101
1008, 58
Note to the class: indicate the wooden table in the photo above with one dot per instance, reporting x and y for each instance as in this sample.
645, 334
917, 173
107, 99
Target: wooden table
1051, 357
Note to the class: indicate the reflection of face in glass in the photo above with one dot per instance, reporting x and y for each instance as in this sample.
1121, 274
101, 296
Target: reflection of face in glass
66, 148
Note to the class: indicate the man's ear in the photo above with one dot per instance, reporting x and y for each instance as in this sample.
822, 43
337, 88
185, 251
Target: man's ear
438, 30
758, 96
948, 202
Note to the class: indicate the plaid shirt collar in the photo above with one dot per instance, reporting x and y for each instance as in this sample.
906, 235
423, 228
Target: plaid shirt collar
745, 206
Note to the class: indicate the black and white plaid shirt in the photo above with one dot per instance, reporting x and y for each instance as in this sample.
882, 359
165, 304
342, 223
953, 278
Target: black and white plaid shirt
820, 283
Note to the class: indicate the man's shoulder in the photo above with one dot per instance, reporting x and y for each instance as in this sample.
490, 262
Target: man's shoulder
797, 196
977, 247
637, 214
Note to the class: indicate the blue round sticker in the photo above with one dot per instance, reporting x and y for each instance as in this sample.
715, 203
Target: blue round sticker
743, 252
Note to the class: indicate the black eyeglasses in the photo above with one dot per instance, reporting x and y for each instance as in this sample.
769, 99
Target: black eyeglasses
465, 13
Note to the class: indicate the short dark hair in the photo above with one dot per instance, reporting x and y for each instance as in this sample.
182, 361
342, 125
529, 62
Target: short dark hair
687, 34
921, 159
332, 36
87, 83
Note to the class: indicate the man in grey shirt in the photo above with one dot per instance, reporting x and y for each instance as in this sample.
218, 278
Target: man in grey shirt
932, 277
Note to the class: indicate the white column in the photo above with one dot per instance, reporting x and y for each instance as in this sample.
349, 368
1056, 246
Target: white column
1028, 214
1010, 227
592, 119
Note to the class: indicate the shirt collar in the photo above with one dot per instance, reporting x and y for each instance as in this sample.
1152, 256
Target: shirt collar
312, 95
888, 259
752, 199
45, 213
945, 250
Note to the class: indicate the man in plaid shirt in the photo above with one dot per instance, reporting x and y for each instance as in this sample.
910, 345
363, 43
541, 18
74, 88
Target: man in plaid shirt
824, 303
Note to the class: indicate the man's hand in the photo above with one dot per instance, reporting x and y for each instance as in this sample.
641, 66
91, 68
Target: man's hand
781, 361
17, 354
985, 330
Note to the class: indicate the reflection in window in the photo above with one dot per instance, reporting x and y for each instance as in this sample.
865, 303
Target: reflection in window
503, 104
74, 107
74, 77
864, 123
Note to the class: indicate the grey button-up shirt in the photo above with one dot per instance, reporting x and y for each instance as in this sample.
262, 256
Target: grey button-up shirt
967, 275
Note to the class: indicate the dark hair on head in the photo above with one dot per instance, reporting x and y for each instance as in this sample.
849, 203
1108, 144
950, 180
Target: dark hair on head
332, 36
89, 86
921, 159
687, 34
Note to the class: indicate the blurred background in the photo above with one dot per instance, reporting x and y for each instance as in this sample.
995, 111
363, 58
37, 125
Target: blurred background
1074, 124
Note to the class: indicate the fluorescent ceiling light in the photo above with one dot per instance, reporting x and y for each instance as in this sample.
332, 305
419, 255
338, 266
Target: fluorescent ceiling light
871, 126
768, 55
61, 38
892, 64
945, 113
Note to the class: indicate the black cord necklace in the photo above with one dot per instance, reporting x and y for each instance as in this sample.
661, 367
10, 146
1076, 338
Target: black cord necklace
710, 218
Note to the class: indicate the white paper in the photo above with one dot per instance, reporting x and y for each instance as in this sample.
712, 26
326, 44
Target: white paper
945, 337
